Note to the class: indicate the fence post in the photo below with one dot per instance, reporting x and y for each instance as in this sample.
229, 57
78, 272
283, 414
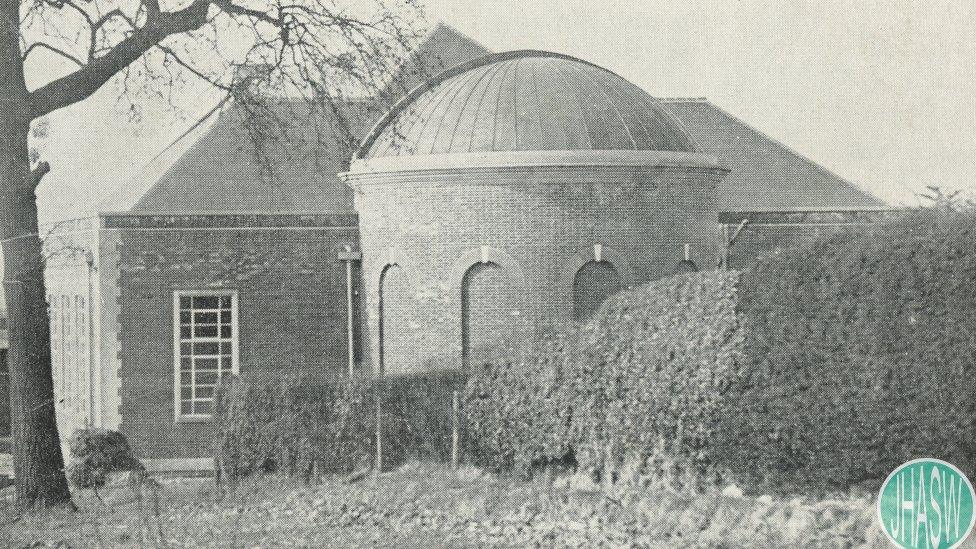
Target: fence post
455, 429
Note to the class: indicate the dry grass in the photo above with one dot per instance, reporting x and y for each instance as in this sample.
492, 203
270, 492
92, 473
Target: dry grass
430, 507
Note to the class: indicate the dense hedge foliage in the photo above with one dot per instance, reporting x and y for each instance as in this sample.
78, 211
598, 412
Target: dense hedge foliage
820, 368
640, 383
297, 427
654, 364
859, 356
519, 406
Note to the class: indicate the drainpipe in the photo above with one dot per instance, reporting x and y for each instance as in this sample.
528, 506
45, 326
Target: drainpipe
349, 256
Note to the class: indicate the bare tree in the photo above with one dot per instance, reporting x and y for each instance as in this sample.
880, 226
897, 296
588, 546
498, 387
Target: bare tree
316, 50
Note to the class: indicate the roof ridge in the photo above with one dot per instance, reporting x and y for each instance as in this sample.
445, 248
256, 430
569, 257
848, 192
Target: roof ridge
442, 25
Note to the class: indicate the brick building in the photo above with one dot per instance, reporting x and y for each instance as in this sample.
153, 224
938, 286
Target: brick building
484, 194
507, 194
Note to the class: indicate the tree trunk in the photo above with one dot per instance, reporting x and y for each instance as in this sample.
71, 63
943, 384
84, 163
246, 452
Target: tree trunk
38, 463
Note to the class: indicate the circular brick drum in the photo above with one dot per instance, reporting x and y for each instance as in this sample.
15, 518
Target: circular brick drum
511, 195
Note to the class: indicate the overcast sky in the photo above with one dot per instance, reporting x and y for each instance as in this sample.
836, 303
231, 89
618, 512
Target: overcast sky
880, 92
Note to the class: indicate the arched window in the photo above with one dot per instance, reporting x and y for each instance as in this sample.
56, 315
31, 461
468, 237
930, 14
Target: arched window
594, 282
394, 320
490, 308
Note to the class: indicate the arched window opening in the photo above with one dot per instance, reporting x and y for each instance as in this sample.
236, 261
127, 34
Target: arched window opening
594, 282
490, 308
686, 266
394, 321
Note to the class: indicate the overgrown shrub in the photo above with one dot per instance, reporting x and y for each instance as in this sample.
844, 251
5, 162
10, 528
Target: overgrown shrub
296, 426
96, 453
859, 356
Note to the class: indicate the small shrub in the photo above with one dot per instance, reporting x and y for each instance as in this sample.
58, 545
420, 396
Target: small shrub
418, 415
96, 453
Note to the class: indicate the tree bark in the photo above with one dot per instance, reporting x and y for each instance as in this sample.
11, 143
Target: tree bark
38, 462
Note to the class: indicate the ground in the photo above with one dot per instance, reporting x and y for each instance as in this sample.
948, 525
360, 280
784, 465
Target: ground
421, 506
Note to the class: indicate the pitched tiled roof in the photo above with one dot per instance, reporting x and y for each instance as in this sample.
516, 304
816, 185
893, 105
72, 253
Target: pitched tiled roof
226, 169
443, 47
219, 171
765, 174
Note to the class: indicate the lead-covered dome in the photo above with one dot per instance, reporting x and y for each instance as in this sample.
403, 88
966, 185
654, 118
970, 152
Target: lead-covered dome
525, 101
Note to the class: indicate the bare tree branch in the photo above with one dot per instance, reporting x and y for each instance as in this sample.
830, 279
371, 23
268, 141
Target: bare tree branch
59, 51
80, 84
210, 80
152, 7
230, 8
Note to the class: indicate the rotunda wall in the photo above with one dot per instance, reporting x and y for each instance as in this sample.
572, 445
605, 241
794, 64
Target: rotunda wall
535, 226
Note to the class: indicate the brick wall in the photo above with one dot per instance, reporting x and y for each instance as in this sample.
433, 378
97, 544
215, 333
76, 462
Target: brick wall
291, 302
534, 222
395, 296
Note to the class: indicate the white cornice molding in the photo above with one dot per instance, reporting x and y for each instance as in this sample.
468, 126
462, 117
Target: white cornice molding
523, 160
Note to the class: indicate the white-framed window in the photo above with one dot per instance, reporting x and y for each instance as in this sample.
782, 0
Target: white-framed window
206, 348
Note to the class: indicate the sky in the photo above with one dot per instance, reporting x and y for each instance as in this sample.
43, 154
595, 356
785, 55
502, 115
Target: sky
882, 93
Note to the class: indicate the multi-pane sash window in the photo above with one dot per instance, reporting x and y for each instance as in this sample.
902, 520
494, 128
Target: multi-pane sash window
206, 348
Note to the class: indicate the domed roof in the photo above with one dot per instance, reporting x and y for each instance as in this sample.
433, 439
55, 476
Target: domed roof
525, 101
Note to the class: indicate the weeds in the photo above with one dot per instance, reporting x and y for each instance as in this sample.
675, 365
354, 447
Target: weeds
433, 506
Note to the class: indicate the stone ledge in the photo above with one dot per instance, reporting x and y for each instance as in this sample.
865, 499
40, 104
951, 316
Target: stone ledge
176, 220
189, 466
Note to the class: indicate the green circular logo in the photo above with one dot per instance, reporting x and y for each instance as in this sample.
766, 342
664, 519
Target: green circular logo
926, 504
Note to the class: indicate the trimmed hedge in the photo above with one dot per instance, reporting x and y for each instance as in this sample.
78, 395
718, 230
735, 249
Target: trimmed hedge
641, 383
519, 405
297, 427
819, 369
860, 355
654, 366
